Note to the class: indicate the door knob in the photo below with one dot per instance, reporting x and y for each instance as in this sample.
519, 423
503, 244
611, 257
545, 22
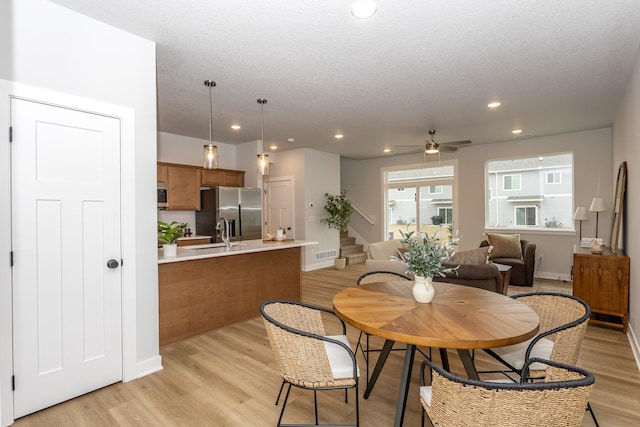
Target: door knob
112, 263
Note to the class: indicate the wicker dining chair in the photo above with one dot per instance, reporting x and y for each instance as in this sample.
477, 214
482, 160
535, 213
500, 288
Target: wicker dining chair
563, 324
374, 277
453, 401
306, 357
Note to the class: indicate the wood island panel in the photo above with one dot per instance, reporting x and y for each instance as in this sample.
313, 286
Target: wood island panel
201, 295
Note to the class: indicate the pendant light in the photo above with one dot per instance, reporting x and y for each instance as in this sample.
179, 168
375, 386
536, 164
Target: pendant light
210, 151
263, 159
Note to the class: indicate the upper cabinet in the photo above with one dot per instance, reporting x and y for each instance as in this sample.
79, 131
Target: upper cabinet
183, 183
226, 177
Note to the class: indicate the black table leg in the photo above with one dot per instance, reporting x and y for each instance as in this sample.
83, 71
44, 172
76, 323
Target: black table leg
386, 349
405, 381
467, 362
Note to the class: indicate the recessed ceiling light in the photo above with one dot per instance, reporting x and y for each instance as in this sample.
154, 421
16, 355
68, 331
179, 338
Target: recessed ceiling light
273, 147
387, 150
290, 139
495, 104
235, 127
516, 131
339, 136
363, 9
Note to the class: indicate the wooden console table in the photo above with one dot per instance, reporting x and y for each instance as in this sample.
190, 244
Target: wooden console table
603, 282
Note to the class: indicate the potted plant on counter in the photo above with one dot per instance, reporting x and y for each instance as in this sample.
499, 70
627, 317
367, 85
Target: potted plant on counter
340, 210
168, 233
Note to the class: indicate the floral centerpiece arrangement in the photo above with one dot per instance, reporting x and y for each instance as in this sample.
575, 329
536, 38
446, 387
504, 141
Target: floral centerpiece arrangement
424, 258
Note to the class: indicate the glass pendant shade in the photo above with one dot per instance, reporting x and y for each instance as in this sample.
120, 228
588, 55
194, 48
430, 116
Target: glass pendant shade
210, 150
263, 164
210, 156
263, 159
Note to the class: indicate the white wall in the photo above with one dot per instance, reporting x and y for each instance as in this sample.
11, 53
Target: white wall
592, 169
185, 150
59, 56
314, 173
626, 147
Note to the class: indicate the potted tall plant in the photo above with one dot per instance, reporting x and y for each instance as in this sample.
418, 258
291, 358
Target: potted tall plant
168, 233
340, 210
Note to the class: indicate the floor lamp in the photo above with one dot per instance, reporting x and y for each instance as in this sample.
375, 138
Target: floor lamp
580, 215
597, 206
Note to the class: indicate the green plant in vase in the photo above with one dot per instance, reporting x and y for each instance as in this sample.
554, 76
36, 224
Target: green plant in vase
168, 234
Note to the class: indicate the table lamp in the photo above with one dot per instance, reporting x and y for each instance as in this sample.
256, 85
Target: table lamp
597, 206
580, 215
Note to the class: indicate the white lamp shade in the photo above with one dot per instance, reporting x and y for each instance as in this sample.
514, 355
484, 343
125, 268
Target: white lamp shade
581, 214
597, 205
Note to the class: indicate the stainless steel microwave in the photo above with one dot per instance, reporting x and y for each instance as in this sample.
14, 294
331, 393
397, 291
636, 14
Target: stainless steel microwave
163, 196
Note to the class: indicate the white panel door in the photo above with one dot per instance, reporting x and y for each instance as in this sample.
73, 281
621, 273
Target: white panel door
65, 228
279, 207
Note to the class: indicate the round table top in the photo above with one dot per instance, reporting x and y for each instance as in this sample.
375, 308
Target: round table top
458, 317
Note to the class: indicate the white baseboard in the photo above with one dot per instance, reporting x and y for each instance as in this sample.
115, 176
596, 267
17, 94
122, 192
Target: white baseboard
635, 348
319, 265
149, 366
553, 276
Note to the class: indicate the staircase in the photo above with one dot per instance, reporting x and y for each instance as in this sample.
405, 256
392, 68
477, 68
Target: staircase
350, 250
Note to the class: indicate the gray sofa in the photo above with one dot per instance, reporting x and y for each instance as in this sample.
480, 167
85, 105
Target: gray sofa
484, 276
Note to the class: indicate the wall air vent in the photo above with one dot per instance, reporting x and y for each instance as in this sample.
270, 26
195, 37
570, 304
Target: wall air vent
332, 253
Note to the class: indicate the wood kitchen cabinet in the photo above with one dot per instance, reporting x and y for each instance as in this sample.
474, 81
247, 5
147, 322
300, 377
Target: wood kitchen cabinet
603, 282
183, 186
225, 177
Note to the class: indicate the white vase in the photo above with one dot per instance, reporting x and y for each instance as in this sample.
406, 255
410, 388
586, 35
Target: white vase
280, 235
170, 250
423, 290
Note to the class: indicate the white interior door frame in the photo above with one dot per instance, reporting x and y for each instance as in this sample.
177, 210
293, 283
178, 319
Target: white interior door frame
132, 368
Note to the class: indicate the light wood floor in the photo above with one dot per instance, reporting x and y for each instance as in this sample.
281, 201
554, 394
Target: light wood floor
227, 378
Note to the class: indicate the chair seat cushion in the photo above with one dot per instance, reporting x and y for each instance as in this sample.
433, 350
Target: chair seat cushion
514, 354
425, 394
339, 360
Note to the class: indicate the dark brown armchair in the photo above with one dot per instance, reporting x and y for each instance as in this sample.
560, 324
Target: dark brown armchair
522, 269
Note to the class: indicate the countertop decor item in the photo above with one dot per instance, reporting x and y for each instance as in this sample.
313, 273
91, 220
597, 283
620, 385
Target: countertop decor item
168, 234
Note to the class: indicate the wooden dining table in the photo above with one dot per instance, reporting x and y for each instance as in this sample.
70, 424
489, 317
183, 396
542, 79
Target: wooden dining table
459, 317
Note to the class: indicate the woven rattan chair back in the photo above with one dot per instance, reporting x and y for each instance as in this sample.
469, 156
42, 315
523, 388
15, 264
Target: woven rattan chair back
559, 401
566, 313
380, 276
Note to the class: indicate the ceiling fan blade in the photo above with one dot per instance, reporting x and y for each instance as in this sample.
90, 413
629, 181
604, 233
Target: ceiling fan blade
445, 148
463, 142
409, 146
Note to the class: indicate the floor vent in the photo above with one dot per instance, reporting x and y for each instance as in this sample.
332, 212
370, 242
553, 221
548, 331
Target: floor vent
332, 253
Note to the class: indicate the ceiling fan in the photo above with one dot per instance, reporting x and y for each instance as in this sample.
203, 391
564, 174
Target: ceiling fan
432, 147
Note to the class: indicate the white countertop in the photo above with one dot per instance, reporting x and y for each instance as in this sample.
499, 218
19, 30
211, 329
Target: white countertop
187, 253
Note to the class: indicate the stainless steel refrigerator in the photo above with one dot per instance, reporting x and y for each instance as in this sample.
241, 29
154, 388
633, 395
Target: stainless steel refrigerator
242, 207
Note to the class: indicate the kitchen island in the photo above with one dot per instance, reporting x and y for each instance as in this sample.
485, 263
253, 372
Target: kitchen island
206, 287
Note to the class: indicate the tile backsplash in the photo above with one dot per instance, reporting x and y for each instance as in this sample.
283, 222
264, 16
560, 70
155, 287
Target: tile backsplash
180, 216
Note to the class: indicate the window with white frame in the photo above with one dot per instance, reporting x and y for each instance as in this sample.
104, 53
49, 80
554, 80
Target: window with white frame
420, 198
511, 182
435, 189
446, 214
517, 194
554, 177
526, 216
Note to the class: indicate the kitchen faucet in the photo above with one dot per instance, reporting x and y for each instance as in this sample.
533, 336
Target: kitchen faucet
224, 233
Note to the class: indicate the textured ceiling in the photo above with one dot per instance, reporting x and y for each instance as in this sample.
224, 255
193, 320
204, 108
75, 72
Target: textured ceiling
556, 66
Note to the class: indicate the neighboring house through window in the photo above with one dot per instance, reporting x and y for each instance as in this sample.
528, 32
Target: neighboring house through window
420, 197
530, 193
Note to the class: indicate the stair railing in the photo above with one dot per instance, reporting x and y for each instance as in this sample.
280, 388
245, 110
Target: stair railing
362, 214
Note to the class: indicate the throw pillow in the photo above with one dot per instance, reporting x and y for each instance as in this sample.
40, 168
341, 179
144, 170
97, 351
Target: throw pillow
473, 256
401, 252
505, 245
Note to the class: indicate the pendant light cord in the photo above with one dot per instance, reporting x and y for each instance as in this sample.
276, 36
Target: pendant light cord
210, 84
